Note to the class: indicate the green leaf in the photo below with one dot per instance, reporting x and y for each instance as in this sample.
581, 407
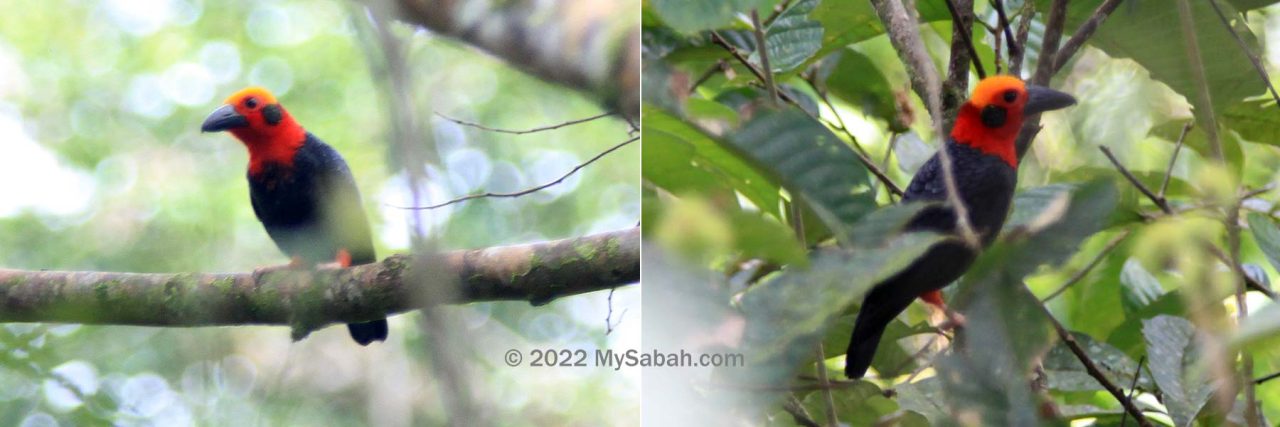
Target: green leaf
758, 237
1261, 326
858, 405
1150, 33
1244, 5
1006, 328
1138, 286
1128, 336
792, 38
857, 81
787, 316
810, 162
662, 131
1267, 236
926, 397
689, 16
1031, 202
1171, 351
1066, 373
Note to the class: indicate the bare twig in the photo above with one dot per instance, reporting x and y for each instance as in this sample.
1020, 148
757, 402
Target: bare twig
798, 413
524, 131
1133, 386
763, 50
1083, 33
1092, 368
956, 86
527, 190
1005, 24
965, 34
1044, 70
1159, 201
608, 317
1269, 377
717, 39
1115, 241
1257, 64
828, 402
876, 170
1168, 173
1024, 30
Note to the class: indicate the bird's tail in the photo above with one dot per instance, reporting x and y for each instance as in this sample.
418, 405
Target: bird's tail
367, 332
879, 308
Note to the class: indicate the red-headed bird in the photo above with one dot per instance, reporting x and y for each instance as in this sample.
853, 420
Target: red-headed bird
984, 162
301, 189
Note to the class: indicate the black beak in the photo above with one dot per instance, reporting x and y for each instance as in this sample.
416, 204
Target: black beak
1041, 99
225, 117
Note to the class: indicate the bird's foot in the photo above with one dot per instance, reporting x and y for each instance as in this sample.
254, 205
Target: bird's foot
295, 264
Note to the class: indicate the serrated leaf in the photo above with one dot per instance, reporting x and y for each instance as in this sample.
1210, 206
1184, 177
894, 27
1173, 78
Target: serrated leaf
810, 162
689, 16
792, 38
1171, 350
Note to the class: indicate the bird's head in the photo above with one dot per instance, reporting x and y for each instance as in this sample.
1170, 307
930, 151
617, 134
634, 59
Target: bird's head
993, 115
255, 118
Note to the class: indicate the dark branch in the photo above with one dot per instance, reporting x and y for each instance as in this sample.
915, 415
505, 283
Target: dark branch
1083, 33
967, 36
1257, 64
1005, 24
308, 300
1092, 369
1088, 267
1158, 200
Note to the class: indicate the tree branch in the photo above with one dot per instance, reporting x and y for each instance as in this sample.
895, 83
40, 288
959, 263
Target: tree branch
1083, 33
589, 46
523, 131
1092, 369
308, 300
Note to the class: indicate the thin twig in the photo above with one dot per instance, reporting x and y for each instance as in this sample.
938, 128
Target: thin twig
1133, 387
608, 318
763, 50
798, 413
1159, 201
1083, 33
876, 170
527, 190
1174, 159
965, 33
1257, 64
828, 401
1269, 377
1115, 241
1044, 70
1024, 30
717, 39
1004, 23
1092, 368
525, 131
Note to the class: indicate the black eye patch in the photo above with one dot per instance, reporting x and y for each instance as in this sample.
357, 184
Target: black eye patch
251, 102
1010, 95
994, 116
272, 114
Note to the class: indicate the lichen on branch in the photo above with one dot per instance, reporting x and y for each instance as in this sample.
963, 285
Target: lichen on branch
535, 272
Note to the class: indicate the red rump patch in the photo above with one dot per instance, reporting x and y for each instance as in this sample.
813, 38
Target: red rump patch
934, 298
343, 258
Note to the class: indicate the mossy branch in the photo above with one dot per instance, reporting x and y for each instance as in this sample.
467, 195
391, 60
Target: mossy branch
590, 46
307, 300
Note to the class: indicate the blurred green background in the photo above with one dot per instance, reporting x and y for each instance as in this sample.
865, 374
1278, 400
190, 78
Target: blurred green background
104, 168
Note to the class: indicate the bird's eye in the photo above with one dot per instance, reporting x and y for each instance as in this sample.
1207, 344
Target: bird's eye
1010, 95
251, 102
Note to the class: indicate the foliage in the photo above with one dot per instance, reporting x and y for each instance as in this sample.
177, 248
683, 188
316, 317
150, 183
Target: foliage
105, 169
1137, 284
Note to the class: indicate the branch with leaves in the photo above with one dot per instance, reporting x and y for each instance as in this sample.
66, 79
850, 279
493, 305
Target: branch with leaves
307, 300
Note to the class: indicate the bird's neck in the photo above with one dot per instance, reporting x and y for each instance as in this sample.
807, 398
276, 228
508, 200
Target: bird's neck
272, 144
969, 130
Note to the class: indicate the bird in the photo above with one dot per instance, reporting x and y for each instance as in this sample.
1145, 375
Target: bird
984, 163
301, 190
